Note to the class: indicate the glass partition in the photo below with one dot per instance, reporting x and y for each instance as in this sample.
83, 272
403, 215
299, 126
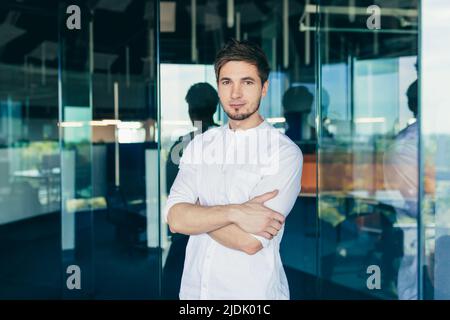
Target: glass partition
78, 150
75, 114
123, 198
191, 34
368, 150
30, 171
434, 165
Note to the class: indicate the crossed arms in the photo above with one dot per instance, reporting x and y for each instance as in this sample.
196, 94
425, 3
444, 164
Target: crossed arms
247, 227
230, 225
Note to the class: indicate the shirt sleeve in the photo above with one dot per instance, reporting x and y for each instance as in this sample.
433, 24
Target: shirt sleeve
264, 242
286, 178
184, 187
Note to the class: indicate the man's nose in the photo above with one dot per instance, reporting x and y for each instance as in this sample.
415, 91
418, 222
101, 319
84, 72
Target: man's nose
236, 91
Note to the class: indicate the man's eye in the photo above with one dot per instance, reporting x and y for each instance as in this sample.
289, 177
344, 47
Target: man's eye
225, 82
248, 82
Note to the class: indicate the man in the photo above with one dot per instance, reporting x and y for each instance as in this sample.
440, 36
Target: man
236, 185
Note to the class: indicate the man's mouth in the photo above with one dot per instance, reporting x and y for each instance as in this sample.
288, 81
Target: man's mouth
237, 105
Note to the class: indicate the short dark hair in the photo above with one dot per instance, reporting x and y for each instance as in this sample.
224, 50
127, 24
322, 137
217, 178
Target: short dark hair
246, 51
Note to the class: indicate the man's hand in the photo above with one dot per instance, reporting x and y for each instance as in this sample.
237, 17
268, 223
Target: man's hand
253, 217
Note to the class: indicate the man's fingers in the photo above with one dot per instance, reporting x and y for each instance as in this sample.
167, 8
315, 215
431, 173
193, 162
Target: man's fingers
265, 235
276, 224
272, 231
265, 196
277, 216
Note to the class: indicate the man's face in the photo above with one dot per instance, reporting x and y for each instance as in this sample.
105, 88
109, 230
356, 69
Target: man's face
240, 89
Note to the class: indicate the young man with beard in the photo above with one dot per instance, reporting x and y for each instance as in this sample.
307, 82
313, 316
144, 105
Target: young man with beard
236, 185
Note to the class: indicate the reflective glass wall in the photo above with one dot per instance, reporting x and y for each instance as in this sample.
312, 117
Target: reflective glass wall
30, 171
368, 142
434, 150
382, 193
191, 34
108, 119
79, 173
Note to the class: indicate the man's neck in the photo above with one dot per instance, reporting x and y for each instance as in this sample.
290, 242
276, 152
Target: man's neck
251, 122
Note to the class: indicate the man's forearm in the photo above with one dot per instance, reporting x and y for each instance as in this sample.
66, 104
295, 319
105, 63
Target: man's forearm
192, 219
233, 237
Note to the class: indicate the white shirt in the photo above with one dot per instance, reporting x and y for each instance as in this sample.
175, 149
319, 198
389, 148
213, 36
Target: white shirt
223, 166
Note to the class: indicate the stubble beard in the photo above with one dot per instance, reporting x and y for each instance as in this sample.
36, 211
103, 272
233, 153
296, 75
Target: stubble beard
243, 116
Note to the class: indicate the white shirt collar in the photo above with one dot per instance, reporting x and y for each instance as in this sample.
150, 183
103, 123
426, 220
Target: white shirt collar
263, 125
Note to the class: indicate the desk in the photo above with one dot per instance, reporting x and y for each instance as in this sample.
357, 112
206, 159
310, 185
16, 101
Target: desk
49, 178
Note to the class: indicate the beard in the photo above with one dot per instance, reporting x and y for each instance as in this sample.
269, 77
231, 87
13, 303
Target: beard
242, 116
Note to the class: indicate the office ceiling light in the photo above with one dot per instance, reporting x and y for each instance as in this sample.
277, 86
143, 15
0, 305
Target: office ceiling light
129, 125
167, 16
230, 13
71, 124
351, 10
276, 120
111, 122
177, 122
120, 124
194, 53
370, 120
238, 26
285, 33
96, 123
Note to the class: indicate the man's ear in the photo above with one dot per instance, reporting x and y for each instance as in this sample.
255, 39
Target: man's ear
265, 87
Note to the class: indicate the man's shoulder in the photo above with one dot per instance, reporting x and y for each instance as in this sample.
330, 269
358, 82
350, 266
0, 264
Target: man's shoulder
213, 131
290, 148
286, 145
287, 149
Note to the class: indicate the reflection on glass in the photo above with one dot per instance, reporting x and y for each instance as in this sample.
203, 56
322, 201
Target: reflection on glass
30, 171
181, 118
401, 172
435, 142
75, 110
202, 101
368, 154
78, 157
124, 174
